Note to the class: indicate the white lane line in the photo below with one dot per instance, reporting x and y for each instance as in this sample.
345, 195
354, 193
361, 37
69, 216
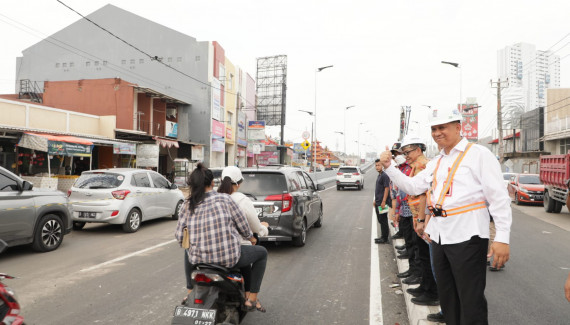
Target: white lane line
118, 259
375, 289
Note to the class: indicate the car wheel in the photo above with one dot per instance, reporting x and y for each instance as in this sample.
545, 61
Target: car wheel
49, 233
78, 225
301, 239
517, 202
177, 211
319, 222
338, 188
557, 206
548, 203
133, 222
362, 186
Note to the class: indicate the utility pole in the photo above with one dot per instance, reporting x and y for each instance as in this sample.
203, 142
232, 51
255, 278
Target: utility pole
498, 85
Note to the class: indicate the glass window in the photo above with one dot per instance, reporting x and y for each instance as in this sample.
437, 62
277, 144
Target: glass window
57, 65
87, 64
7, 184
123, 61
132, 61
529, 179
71, 64
64, 65
179, 59
141, 180
302, 180
169, 60
295, 183
260, 184
96, 63
159, 181
309, 181
104, 62
99, 180
348, 170
141, 61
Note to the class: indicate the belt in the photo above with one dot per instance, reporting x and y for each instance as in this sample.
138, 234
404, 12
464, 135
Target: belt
437, 211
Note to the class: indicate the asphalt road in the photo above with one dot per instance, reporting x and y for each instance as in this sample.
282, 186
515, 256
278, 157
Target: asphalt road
101, 275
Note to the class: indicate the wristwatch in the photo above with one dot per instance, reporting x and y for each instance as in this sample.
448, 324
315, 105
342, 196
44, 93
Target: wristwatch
420, 220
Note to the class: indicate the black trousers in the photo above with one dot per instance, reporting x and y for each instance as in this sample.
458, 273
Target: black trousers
383, 221
428, 281
407, 229
461, 271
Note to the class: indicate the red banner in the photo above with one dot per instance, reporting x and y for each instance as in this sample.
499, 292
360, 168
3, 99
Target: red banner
470, 123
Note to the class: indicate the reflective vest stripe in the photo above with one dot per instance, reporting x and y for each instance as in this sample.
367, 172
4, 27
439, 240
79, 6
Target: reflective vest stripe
466, 208
450, 175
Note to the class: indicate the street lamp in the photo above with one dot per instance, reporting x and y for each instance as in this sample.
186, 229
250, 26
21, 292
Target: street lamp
359, 124
460, 81
310, 113
346, 109
315, 121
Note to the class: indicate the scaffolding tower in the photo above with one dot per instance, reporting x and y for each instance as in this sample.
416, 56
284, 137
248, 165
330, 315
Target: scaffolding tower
271, 90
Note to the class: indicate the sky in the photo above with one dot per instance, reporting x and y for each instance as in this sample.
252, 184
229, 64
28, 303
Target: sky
385, 54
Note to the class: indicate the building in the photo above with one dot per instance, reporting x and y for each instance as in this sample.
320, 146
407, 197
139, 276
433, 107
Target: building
557, 121
530, 72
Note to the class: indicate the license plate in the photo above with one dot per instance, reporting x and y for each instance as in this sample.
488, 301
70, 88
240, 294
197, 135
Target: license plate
87, 214
346, 176
199, 316
538, 197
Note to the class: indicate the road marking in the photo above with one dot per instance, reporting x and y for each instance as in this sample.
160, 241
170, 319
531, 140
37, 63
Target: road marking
328, 188
118, 259
375, 315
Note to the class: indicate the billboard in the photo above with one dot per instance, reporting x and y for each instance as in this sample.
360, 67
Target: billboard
271, 89
470, 123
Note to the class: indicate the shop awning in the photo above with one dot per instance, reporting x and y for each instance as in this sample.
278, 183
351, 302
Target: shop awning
63, 145
166, 143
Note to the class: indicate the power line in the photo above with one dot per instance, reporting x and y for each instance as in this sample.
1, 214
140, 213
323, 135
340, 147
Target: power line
152, 57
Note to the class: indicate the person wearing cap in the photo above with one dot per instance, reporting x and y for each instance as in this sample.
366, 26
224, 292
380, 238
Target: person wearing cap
396, 152
426, 294
465, 187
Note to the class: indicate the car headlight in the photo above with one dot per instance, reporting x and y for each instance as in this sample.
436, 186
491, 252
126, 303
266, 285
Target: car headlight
524, 190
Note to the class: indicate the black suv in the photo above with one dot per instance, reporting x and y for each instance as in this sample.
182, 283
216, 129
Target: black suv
287, 199
39, 217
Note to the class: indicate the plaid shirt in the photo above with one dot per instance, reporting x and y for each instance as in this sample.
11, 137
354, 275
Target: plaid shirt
214, 230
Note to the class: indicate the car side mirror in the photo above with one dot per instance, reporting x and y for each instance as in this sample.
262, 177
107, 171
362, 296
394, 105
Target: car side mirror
320, 187
3, 245
27, 186
173, 186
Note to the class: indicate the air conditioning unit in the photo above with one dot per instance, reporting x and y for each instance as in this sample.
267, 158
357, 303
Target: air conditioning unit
171, 112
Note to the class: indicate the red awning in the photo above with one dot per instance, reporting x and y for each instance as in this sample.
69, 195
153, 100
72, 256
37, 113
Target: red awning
62, 138
166, 143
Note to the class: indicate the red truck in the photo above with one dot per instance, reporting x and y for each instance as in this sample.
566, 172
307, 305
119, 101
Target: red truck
554, 174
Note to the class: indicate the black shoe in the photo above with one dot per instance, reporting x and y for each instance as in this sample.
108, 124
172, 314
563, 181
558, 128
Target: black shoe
436, 317
495, 269
398, 235
404, 256
425, 300
416, 292
412, 280
400, 247
488, 263
404, 274
381, 241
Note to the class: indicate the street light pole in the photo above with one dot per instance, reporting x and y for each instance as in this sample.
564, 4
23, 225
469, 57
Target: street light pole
315, 122
359, 158
460, 81
346, 109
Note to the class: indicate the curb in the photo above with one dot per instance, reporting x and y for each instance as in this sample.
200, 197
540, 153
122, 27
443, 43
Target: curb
417, 314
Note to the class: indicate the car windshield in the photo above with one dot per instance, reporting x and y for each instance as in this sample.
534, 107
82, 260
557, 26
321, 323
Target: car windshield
529, 179
260, 184
99, 180
347, 170
506, 177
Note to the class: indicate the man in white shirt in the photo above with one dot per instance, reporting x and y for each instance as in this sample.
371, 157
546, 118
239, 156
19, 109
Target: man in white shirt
464, 185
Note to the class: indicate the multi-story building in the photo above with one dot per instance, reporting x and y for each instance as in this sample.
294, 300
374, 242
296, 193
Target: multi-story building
530, 72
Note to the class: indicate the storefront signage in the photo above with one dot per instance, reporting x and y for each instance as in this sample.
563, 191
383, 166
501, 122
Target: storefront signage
68, 149
229, 133
218, 129
241, 131
125, 149
256, 124
218, 145
171, 129
255, 147
147, 155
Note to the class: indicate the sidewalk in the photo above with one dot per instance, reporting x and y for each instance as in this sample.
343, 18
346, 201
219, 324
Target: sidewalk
417, 314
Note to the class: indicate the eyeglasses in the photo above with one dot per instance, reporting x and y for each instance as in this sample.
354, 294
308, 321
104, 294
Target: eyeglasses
406, 153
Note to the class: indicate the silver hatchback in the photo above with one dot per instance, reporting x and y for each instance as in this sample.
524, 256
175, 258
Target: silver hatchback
123, 196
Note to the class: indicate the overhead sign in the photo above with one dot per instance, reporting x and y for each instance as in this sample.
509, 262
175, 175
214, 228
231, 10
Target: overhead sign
256, 124
305, 144
68, 149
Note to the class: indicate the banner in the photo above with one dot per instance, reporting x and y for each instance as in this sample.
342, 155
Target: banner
241, 134
197, 153
125, 149
171, 129
256, 124
218, 129
470, 123
216, 99
147, 155
68, 149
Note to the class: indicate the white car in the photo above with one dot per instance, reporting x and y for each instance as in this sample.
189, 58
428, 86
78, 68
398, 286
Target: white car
124, 196
350, 176
507, 178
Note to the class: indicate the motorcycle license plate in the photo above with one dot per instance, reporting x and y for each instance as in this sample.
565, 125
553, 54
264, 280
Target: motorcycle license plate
198, 316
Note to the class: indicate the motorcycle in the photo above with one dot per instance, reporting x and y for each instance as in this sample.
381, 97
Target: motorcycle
9, 307
217, 298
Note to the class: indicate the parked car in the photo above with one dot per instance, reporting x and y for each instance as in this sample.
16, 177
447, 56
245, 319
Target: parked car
526, 188
350, 176
123, 196
31, 216
287, 199
217, 177
507, 178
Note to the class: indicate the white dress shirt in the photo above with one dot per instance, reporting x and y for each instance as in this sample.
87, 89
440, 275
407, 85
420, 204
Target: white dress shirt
478, 178
248, 209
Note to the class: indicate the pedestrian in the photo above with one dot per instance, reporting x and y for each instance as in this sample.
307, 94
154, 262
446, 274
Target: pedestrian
381, 201
215, 225
396, 152
426, 294
465, 186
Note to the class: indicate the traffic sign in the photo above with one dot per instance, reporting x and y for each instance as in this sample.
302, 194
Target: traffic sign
306, 135
305, 144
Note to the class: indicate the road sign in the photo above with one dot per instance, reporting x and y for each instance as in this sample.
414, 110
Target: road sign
306, 135
305, 144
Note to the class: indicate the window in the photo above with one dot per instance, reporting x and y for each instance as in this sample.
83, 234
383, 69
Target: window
87, 64
309, 181
263, 184
96, 63
132, 61
123, 61
159, 181
197, 58
179, 59
564, 146
104, 62
64, 65
7, 184
57, 65
141, 180
303, 182
169, 60
295, 184
99, 180
141, 61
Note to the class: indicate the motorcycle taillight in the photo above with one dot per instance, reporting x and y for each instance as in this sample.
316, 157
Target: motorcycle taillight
200, 277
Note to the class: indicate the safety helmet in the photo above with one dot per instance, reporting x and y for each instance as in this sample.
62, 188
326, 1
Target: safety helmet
233, 173
413, 139
444, 116
396, 148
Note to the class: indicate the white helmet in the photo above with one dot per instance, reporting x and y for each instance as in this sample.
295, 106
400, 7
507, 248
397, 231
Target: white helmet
233, 173
444, 116
413, 139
